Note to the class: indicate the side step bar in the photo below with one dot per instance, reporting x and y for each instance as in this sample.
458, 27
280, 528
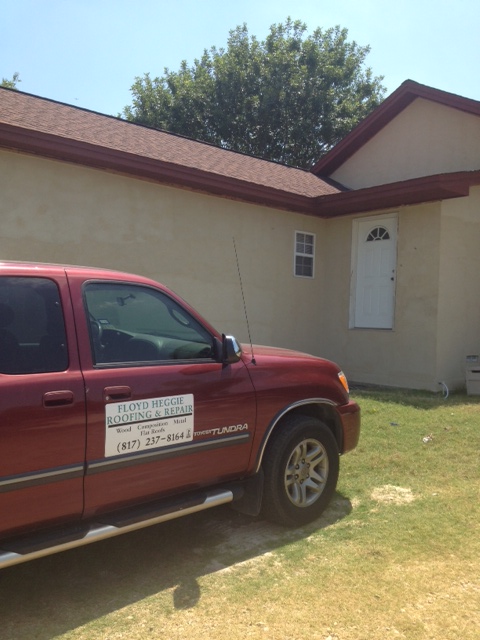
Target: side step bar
30, 548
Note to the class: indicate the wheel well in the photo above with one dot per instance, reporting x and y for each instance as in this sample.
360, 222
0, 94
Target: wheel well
322, 411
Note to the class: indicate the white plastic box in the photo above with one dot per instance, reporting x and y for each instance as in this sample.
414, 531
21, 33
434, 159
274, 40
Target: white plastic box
472, 375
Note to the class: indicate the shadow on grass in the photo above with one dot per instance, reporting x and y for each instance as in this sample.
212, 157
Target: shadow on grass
51, 596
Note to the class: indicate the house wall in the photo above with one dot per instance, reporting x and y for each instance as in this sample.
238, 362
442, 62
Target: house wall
437, 306
426, 138
405, 356
459, 287
58, 212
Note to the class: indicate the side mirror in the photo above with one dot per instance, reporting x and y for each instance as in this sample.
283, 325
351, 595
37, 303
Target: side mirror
231, 350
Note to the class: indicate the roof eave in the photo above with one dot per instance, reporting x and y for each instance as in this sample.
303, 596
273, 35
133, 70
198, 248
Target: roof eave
408, 192
167, 173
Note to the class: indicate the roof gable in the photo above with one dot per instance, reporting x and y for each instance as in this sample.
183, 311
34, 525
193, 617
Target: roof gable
426, 138
395, 104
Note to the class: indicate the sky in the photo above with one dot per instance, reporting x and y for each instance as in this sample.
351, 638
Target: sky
88, 52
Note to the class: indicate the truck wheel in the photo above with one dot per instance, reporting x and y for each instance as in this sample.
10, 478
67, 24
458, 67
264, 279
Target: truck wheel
301, 467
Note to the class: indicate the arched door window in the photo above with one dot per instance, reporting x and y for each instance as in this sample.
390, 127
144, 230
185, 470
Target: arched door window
379, 233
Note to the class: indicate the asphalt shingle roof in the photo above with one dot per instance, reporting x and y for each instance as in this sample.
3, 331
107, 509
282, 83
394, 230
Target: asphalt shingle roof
67, 122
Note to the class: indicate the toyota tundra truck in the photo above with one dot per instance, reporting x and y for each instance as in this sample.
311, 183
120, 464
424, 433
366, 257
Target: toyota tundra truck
121, 407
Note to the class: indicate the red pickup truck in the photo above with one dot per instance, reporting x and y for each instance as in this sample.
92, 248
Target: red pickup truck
120, 407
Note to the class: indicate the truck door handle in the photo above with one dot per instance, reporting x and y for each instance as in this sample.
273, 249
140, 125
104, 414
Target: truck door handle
57, 398
117, 393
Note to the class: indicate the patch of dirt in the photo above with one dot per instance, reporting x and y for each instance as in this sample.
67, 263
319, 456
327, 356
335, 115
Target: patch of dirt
390, 494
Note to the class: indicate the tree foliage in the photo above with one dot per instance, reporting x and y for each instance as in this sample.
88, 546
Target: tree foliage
11, 84
288, 98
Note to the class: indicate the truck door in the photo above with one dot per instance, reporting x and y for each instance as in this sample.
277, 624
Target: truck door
42, 405
164, 415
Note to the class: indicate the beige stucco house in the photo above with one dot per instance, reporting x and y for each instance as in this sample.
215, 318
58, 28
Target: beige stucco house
371, 258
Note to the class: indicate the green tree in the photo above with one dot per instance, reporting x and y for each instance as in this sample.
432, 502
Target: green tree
289, 98
11, 84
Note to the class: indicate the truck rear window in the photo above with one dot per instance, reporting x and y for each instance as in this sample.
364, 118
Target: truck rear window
32, 328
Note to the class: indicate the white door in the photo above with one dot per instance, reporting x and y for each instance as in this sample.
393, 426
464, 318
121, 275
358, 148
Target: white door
374, 272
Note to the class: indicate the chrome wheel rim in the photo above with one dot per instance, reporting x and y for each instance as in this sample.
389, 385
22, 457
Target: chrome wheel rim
306, 473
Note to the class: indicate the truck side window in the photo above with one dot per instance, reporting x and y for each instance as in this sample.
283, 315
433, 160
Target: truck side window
32, 328
137, 324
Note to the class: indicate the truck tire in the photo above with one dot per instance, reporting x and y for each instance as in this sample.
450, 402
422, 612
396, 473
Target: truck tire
301, 466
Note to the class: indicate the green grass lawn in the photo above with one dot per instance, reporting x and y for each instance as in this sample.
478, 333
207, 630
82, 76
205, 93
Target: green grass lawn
396, 555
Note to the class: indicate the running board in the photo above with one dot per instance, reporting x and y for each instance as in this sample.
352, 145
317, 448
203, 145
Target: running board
30, 548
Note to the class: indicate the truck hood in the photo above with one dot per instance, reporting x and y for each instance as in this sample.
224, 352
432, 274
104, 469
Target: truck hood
266, 352
293, 373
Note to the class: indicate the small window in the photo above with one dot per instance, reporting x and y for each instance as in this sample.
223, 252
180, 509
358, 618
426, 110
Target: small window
32, 329
304, 254
141, 325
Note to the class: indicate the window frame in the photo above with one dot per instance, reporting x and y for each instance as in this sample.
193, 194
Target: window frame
303, 254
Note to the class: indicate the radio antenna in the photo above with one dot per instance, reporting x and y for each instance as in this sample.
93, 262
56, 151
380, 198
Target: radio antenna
244, 303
